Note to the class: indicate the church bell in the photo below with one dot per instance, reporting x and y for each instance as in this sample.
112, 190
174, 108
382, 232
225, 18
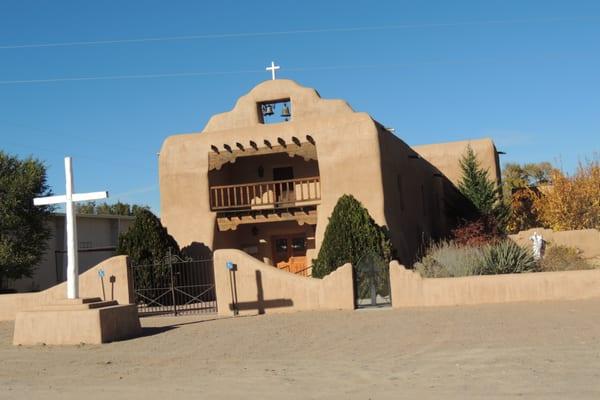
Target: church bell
285, 112
267, 109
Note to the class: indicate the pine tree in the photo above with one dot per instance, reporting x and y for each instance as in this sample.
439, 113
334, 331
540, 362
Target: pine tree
479, 189
350, 235
146, 241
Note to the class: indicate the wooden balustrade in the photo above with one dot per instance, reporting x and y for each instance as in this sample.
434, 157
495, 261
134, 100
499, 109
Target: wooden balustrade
264, 195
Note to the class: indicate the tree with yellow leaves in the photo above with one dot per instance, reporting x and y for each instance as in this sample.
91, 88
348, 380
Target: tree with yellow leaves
572, 202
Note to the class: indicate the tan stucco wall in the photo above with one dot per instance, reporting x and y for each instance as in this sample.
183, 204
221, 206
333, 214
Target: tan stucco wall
347, 149
446, 157
89, 286
416, 196
586, 240
73, 327
263, 288
355, 156
409, 289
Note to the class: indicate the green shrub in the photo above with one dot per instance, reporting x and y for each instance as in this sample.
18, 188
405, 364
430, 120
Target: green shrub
350, 235
506, 257
563, 258
146, 241
448, 259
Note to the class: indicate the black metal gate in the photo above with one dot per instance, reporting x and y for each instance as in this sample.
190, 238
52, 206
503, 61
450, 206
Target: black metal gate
175, 286
372, 282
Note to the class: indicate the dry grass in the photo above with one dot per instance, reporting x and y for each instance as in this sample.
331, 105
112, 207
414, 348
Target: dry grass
563, 258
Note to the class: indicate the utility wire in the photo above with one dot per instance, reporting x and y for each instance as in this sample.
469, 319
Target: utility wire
143, 76
291, 69
77, 137
298, 32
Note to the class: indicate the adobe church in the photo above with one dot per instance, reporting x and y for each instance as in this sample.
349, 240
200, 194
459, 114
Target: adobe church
265, 177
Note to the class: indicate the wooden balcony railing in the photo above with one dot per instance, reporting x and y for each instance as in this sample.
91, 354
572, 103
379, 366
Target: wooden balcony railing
264, 195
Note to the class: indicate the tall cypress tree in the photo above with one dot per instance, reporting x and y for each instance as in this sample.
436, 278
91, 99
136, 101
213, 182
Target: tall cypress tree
350, 235
477, 187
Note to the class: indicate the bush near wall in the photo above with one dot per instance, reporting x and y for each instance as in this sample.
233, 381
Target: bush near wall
146, 241
483, 230
351, 234
450, 259
563, 258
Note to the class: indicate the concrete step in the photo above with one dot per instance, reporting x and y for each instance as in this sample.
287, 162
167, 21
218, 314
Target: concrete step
81, 300
77, 306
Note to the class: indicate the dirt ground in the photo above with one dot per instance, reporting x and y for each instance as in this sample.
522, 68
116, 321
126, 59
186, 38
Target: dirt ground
527, 350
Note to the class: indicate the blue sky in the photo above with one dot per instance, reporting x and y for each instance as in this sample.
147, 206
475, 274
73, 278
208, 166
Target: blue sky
522, 72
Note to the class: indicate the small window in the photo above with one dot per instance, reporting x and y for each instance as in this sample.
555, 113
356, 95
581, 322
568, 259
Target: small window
281, 246
298, 246
275, 111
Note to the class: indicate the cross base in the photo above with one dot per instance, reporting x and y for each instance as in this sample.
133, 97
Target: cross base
77, 321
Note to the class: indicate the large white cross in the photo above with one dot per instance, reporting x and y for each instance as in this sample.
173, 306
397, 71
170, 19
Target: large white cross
272, 68
68, 199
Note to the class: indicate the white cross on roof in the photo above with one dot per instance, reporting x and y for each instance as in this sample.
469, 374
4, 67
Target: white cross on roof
272, 68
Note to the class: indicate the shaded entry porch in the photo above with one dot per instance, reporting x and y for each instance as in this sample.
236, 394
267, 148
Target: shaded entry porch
286, 245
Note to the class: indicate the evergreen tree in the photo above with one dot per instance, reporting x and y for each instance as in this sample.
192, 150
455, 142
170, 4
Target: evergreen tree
350, 235
23, 227
117, 208
475, 185
146, 241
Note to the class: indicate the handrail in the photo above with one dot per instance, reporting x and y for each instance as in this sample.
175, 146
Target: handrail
267, 194
264, 183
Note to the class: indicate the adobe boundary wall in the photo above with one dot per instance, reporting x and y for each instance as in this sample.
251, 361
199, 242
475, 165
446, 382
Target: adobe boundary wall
586, 240
262, 288
410, 289
89, 286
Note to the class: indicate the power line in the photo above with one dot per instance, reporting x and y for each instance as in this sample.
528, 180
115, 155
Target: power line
291, 69
76, 137
298, 32
142, 76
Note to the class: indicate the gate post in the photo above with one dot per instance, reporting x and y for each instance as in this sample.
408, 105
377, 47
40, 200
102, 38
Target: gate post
172, 281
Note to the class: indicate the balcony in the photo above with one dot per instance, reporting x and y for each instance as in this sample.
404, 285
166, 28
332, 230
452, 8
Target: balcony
266, 195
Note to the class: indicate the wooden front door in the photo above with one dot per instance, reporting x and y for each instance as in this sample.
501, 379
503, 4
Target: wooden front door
289, 252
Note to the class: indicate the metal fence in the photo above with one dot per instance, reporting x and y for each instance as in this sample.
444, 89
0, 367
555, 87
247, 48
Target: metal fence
372, 282
175, 286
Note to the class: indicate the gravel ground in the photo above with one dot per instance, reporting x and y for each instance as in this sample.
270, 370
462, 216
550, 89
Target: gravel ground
524, 350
